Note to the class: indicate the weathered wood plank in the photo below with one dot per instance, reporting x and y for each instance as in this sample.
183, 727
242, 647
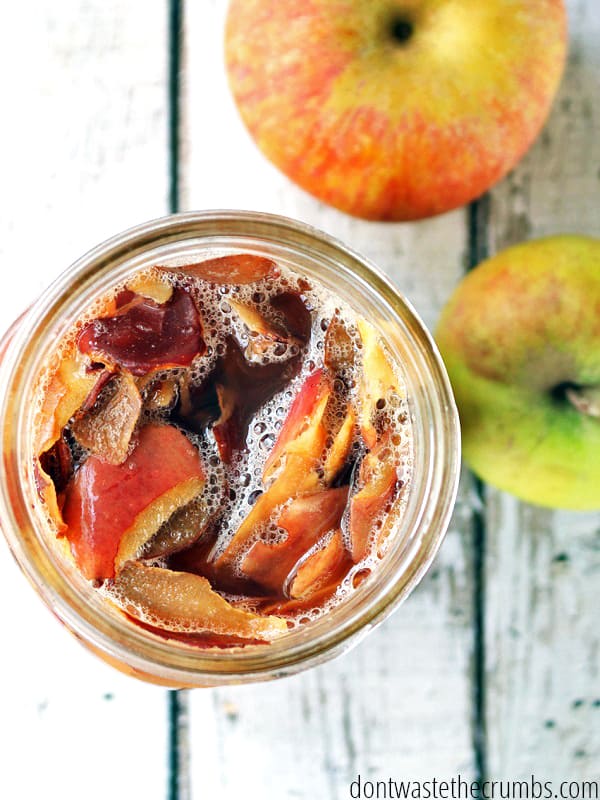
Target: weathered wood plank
400, 703
84, 155
84, 151
543, 568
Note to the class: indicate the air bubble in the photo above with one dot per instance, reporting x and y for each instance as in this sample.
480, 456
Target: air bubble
253, 497
360, 577
267, 442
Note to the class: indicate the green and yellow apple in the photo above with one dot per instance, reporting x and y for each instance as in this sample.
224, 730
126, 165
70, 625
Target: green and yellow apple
395, 109
521, 341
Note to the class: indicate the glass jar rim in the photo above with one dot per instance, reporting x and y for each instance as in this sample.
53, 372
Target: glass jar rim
120, 641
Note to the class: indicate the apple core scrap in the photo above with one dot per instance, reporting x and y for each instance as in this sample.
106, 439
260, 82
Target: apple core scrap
225, 449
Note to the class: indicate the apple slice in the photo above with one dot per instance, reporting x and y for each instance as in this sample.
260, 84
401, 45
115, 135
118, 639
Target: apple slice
106, 430
304, 416
257, 324
296, 606
237, 270
378, 481
289, 324
323, 569
298, 456
378, 382
143, 335
340, 349
68, 390
183, 602
52, 472
200, 641
157, 394
305, 519
339, 451
300, 460
264, 335
151, 287
57, 464
180, 531
298, 476
47, 493
112, 510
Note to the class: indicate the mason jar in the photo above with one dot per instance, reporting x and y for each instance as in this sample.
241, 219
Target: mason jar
192, 237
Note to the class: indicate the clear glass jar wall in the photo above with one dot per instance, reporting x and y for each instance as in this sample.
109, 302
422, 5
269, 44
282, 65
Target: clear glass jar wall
193, 237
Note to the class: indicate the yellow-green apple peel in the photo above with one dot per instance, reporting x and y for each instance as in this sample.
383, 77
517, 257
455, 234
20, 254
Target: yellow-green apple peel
521, 340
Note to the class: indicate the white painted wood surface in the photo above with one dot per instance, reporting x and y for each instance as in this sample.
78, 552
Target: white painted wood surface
543, 568
83, 156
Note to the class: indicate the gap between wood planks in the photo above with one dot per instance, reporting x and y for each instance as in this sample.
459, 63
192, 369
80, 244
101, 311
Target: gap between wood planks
478, 249
178, 777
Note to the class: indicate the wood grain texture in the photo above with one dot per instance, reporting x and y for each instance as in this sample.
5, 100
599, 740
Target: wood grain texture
399, 704
543, 568
84, 134
83, 156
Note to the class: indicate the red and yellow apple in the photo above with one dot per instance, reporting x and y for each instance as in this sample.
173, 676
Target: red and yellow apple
395, 109
521, 341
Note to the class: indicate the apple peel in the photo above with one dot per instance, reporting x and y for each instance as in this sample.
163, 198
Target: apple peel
106, 431
306, 519
378, 382
111, 510
183, 528
342, 444
237, 270
67, 392
182, 602
322, 569
263, 334
302, 423
378, 480
142, 335
153, 517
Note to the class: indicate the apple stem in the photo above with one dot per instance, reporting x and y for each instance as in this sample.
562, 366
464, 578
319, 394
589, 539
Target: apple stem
586, 399
401, 30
